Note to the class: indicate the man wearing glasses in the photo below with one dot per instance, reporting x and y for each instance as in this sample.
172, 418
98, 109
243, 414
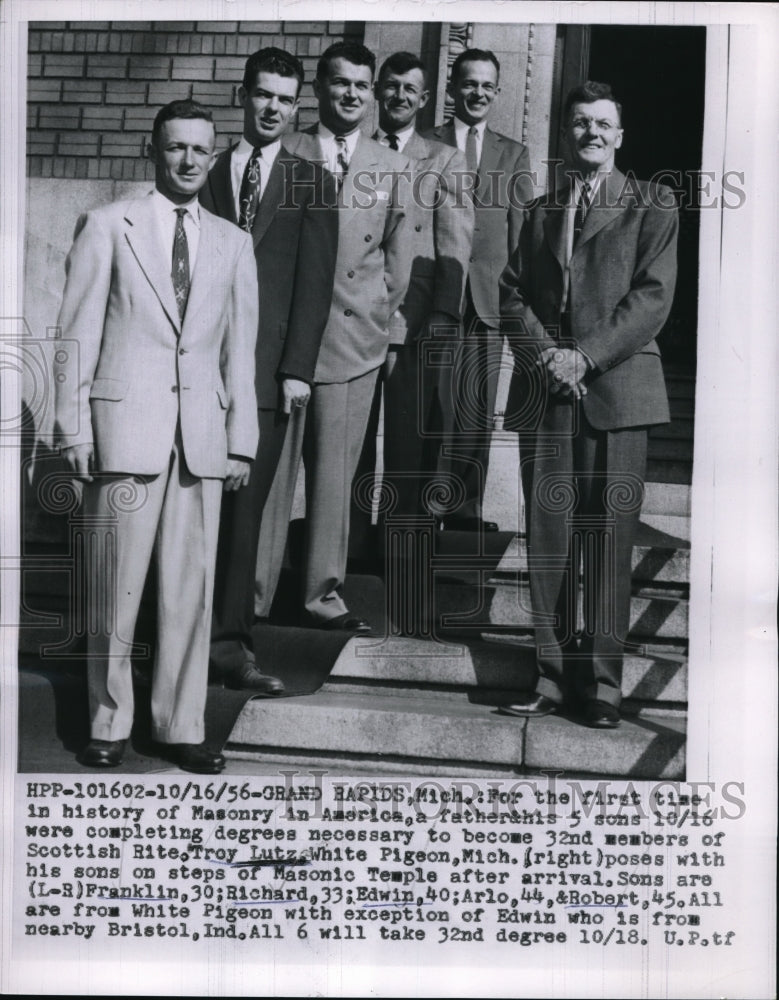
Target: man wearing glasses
583, 298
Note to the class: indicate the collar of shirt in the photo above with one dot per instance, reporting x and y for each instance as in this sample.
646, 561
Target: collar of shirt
403, 135
165, 213
461, 131
577, 185
328, 146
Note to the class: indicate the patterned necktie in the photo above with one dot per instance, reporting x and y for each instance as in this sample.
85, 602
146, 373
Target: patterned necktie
249, 197
392, 141
581, 212
472, 150
342, 161
180, 271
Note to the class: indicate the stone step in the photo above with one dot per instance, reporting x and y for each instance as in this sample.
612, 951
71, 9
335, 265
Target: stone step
407, 666
505, 604
381, 733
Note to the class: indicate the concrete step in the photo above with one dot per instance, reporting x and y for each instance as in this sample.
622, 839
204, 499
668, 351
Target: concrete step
406, 666
381, 733
506, 604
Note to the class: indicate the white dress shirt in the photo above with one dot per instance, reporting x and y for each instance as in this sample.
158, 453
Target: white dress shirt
403, 135
165, 212
238, 160
461, 131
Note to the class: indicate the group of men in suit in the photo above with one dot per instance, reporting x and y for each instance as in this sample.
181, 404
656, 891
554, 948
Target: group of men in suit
198, 364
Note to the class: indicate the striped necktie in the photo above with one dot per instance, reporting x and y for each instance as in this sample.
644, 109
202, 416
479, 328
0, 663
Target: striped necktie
180, 267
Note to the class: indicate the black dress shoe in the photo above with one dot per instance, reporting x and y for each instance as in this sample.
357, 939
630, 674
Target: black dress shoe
346, 623
249, 677
195, 757
468, 524
533, 706
102, 753
601, 715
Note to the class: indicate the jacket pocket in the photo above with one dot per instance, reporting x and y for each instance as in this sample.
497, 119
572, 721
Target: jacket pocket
108, 388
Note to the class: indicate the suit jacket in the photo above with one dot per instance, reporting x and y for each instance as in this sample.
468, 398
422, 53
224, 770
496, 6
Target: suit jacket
373, 261
137, 371
295, 238
504, 189
440, 233
622, 278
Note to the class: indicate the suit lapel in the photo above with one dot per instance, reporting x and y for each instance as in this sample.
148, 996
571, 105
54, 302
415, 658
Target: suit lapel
606, 206
208, 263
417, 147
363, 158
554, 225
221, 185
491, 148
270, 199
143, 236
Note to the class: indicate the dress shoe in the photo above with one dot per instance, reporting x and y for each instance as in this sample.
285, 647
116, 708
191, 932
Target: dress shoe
249, 677
194, 757
102, 753
601, 715
468, 524
533, 706
346, 623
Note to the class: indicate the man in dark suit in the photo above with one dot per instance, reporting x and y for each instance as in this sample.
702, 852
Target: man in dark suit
583, 300
372, 272
154, 411
286, 204
501, 188
440, 234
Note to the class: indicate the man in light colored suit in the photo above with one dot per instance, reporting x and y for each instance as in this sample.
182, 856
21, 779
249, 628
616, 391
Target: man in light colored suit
288, 208
583, 299
440, 227
371, 277
501, 190
155, 411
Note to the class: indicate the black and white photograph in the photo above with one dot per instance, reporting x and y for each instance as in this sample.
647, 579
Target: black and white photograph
389, 452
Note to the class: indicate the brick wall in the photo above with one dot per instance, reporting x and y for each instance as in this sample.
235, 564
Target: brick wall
94, 87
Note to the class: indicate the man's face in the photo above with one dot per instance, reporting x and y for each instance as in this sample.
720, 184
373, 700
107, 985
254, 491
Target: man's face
593, 134
474, 90
182, 157
268, 107
400, 97
344, 95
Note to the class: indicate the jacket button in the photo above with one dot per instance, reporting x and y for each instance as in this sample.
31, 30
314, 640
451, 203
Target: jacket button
471, 259
350, 274
347, 312
418, 229
182, 350
174, 388
367, 239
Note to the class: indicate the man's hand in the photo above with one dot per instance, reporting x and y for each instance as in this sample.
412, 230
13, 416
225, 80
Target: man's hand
237, 474
566, 368
79, 459
295, 392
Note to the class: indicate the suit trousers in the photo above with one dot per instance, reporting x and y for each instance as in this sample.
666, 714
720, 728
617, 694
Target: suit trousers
239, 533
476, 385
174, 516
583, 492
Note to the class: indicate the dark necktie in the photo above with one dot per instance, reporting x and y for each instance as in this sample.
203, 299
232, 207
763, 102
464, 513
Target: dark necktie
392, 141
342, 161
180, 271
581, 212
249, 197
472, 150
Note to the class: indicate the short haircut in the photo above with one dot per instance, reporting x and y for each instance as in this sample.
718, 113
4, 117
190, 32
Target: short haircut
474, 55
179, 109
272, 60
402, 63
588, 93
353, 52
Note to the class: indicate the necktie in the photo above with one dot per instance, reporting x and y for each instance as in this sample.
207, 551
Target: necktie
392, 141
249, 197
472, 150
342, 160
581, 212
180, 271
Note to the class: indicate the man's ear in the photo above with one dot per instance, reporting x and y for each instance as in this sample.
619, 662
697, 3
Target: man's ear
242, 95
151, 151
424, 97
